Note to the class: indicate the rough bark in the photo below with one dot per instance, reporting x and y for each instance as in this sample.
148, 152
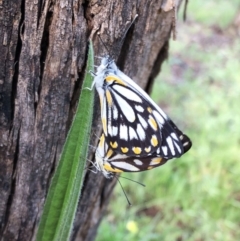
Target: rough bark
43, 47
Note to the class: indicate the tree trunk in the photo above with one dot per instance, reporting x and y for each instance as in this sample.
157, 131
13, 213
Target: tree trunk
43, 46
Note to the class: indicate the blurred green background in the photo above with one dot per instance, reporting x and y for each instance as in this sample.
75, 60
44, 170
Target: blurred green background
197, 197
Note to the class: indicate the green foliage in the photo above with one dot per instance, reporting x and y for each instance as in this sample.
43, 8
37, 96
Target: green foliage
196, 197
65, 189
212, 12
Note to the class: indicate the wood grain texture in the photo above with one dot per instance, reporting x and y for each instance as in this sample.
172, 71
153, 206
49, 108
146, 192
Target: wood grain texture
43, 48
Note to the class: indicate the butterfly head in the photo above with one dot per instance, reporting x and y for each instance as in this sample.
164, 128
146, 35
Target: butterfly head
106, 67
107, 63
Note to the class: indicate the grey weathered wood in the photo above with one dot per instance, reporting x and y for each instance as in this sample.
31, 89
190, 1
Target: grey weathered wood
43, 49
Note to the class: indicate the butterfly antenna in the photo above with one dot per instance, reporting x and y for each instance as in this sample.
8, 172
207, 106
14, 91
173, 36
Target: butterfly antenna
123, 191
124, 35
105, 46
133, 181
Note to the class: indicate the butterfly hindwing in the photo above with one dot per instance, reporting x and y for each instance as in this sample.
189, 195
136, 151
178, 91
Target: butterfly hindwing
134, 164
109, 162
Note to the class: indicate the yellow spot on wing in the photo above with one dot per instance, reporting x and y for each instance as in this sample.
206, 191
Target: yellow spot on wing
149, 109
114, 145
108, 167
153, 123
156, 160
104, 123
102, 139
111, 78
148, 149
109, 97
109, 153
154, 140
149, 168
137, 150
124, 149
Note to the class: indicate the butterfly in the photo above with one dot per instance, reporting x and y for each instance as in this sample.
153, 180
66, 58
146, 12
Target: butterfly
133, 124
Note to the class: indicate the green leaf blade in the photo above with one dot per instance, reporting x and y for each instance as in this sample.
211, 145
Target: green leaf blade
61, 203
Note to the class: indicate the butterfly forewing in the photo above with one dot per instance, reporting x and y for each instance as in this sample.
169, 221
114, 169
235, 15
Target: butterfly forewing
133, 125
